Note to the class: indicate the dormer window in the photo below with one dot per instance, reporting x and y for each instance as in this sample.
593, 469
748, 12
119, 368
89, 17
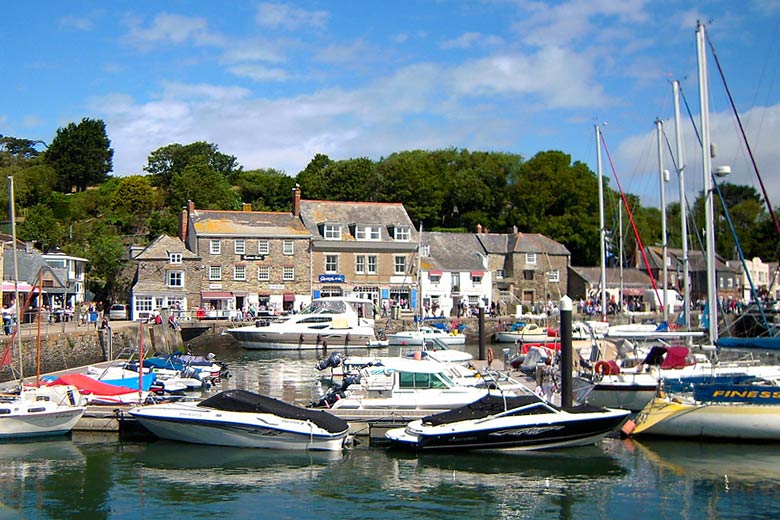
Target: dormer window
174, 258
530, 258
366, 232
402, 233
331, 232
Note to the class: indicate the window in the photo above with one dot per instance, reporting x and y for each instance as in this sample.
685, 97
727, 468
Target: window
528, 274
239, 246
143, 303
174, 258
435, 277
729, 283
476, 277
530, 258
263, 273
288, 273
554, 276
399, 265
456, 280
215, 247
499, 274
425, 250
239, 273
331, 264
360, 264
215, 272
402, 233
262, 247
372, 263
364, 232
332, 232
289, 247
174, 278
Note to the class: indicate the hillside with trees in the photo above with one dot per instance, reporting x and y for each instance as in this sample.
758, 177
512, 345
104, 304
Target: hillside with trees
66, 197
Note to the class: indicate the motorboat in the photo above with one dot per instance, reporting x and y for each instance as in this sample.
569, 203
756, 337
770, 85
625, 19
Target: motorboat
331, 321
40, 411
244, 419
98, 392
419, 336
498, 422
525, 333
393, 383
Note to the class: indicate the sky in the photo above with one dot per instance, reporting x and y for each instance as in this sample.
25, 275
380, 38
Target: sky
274, 83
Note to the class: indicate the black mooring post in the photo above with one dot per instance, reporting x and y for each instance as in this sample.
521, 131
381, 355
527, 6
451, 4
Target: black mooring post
566, 352
481, 332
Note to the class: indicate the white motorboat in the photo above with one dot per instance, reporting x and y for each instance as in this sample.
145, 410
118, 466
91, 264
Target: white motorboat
244, 419
495, 422
419, 336
401, 383
40, 411
332, 321
526, 333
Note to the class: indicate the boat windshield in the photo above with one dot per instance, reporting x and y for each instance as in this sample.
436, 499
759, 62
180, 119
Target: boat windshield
325, 307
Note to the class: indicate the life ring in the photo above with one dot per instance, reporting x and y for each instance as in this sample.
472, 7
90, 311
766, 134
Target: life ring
602, 368
489, 355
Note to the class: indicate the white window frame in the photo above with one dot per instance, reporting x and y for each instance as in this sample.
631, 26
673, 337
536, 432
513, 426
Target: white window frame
263, 247
263, 273
239, 246
288, 247
372, 261
288, 273
215, 272
175, 258
360, 264
144, 304
330, 261
368, 232
399, 265
331, 232
170, 277
215, 247
402, 233
554, 276
239, 273
530, 258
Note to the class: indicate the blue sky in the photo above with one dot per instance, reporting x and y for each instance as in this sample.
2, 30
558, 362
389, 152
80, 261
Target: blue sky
274, 83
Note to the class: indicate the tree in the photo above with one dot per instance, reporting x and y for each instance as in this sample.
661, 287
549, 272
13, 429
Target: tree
165, 163
312, 179
105, 253
81, 155
266, 190
203, 185
15, 149
41, 227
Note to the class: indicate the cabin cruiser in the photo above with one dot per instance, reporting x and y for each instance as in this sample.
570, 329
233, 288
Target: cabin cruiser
525, 333
421, 335
497, 422
333, 321
244, 419
40, 411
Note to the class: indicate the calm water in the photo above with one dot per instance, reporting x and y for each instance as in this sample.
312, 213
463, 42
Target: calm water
97, 476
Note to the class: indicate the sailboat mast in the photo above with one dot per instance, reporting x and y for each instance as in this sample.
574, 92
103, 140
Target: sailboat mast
709, 205
12, 217
683, 207
602, 228
664, 244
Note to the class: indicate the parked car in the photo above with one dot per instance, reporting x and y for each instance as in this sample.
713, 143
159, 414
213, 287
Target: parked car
118, 311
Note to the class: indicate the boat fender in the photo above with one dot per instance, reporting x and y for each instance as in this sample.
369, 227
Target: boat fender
602, 368
489, 355
71, 398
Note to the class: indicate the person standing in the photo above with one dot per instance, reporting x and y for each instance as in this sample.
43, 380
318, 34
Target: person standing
549, 380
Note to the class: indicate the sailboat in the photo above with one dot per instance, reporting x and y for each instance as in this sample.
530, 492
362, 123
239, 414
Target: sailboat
714, 410
33, 411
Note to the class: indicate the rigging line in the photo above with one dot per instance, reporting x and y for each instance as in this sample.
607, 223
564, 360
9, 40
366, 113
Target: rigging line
744, 138
633, 224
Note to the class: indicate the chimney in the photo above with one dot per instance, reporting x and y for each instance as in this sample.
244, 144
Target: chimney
246, 206
296, 211
479, 228
184, 221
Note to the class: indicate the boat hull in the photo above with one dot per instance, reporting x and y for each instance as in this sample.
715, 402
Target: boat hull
260, 338
511, 433
189, 423
50, 422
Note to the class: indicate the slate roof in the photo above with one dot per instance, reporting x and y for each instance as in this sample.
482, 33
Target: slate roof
456, 252
697, 260
631, 277
211, 223
162, 245
503, 243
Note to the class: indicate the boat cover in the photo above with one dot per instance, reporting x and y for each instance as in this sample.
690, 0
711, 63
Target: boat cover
87, 385
484, 407
759, 343
244, 401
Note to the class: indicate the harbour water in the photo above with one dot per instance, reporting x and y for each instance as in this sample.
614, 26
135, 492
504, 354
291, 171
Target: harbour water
99, 476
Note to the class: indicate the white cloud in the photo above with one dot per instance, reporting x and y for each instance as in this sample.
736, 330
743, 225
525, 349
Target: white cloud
289, 17
259, 72
80, 23
471, 39
173, 28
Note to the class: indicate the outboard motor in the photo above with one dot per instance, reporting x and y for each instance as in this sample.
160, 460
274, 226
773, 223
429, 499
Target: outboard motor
349, 380
331, 361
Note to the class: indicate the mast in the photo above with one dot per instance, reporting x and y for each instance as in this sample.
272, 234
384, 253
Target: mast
12, 217
709, 206
664, 244
683, 208
602, 230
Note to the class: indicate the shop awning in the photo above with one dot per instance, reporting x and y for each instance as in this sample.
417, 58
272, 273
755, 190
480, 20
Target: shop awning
434, 273
8, 286
632, 292
217, 295
477, 273
288, 297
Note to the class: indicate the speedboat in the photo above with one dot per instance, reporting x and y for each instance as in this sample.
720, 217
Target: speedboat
246, 420
419, 336
496, 422
332, 321
525, 333
40, 411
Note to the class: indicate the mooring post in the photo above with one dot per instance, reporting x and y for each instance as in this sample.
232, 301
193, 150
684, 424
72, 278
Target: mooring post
566, 352
481, 329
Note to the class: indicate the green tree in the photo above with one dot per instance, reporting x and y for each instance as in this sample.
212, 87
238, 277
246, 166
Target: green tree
266, 190
414, 179
313, 180
165, 163
105, 253
81, 155
41, 227
203, 185
15, 149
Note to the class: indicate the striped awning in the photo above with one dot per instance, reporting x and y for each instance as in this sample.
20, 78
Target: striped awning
217, 295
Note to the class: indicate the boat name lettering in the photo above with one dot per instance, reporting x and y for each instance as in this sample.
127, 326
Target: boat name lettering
747, 394
536, 430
